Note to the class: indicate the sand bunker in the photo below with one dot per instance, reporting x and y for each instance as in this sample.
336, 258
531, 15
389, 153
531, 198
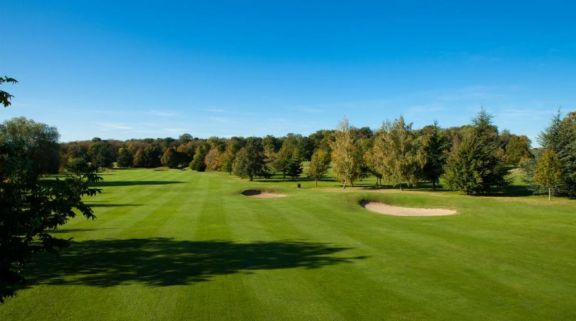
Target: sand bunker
254, 193
382, 208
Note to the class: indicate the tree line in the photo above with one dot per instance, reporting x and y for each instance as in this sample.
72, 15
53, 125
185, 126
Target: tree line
473, 158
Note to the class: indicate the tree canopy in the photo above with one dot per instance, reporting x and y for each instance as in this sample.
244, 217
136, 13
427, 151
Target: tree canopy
5, 97
30, 205
475, 165
346, 157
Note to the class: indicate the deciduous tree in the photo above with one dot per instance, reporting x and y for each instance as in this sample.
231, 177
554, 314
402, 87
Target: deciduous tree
319, 165
396, 153
32, 206
548, 171
213, 160
249, 161
197, 163
346, 157
124, 158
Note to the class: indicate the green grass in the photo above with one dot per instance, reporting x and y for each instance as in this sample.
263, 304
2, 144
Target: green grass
177, 245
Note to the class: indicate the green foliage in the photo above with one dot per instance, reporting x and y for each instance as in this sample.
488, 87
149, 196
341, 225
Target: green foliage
560, 137
319, 165
170, 158
5, 97
516, 148
249, 161
475, 165
396, 153
197, 163
124, 158
434, 146
148, 157
102, 154
346, 156
31, 206
548, 171
294, 168
39, 140
289, 153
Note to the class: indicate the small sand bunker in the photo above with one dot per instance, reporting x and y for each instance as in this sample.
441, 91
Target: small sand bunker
386, 209
254, 193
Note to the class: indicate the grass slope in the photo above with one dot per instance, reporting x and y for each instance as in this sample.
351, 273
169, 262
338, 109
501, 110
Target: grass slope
177, 245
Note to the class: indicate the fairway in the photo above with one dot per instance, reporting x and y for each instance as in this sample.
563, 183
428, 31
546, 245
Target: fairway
182, 245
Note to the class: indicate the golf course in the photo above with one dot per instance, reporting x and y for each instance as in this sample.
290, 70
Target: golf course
171, 244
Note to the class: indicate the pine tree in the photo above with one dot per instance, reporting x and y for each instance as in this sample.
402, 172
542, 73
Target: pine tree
475, 165
560, 137
433, 145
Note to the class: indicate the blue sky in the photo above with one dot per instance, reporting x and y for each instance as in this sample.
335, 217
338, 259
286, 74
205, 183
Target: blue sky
122, 69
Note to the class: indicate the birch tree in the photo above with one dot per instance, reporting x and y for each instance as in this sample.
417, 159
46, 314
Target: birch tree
346, 158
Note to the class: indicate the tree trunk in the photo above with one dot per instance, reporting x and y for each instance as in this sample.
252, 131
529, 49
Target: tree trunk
549, 193
433, 184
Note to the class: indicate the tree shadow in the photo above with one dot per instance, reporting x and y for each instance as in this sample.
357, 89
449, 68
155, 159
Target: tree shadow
134, 183
77, 230
95, 205
165, 262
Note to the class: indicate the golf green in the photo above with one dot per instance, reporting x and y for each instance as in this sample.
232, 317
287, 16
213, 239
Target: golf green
181, 245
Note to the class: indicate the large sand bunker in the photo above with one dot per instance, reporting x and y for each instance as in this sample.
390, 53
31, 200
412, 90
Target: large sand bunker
254, 193
386, 209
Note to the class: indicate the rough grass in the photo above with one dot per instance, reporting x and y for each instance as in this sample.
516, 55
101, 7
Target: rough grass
178, 245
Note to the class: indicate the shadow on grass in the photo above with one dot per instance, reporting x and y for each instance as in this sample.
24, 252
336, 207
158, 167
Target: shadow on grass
76, 230
134, 183
291, 180
95, 205
165, 262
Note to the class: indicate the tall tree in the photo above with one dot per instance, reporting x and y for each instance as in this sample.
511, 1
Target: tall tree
397, 154
560, 137
434, 146
101, 153
170, 158
40, 139
249, 161
475, 165
148, 157
346, 157
233, 145
213, 160
294, 168
548, 171
319, 165
124, 158
288, 154
5, 97
197, 163
32, 206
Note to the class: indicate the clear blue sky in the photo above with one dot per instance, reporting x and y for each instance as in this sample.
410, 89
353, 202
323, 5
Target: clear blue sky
121, 69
